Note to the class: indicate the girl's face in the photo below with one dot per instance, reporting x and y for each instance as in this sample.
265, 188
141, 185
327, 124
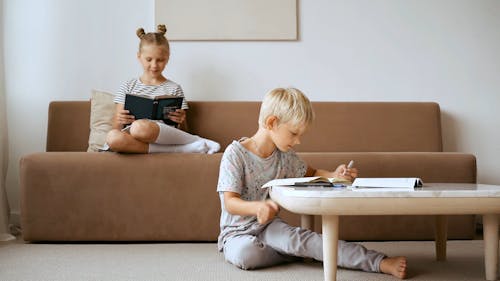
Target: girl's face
153, 59
285, 136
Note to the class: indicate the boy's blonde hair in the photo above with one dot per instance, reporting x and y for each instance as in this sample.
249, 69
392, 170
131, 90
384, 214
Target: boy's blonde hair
288, 105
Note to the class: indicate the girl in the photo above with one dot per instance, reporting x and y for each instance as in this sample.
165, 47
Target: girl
252, 236
150, 136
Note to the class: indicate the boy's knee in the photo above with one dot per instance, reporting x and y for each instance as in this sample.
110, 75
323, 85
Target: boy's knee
245, 260
246, 256
144, 130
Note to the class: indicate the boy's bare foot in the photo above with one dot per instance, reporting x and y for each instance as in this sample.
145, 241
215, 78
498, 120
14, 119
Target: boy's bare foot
395, 266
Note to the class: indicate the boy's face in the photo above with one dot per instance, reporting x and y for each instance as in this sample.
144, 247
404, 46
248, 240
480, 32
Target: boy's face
285, 136
153, 59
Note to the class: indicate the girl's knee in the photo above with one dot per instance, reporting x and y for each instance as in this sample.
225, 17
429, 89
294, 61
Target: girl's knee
114, 139
144, 130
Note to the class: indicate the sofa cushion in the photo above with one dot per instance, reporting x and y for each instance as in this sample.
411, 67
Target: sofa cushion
102, 109
82, 196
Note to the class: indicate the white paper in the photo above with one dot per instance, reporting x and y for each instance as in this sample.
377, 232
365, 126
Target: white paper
409, 183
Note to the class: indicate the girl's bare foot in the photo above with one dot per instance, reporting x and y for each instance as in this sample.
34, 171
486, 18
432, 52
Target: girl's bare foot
395, 266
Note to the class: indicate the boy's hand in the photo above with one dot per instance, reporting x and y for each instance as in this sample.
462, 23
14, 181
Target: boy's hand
178, 116
267, 211
123, 117
345, 173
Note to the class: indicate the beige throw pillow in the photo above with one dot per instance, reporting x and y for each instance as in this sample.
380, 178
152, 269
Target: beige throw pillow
102, 110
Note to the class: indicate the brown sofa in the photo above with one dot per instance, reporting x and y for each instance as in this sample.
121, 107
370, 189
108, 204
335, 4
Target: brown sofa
68, 194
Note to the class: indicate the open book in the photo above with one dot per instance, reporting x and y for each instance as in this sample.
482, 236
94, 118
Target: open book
154, 108
386, 183
307, 181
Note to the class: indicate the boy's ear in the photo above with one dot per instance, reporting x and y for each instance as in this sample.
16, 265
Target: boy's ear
271, 121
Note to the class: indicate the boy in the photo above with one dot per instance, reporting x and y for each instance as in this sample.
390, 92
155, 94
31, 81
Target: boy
252, 236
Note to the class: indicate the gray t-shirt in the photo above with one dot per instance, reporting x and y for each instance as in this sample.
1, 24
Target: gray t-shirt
244, 173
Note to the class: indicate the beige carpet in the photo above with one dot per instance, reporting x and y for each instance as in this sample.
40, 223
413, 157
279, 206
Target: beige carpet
186, 262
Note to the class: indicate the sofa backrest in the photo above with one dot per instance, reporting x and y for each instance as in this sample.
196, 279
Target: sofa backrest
338, 126
68, 126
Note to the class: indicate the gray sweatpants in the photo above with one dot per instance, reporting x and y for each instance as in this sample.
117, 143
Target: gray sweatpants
278, 242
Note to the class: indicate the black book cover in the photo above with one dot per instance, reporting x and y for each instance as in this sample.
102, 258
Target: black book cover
154, 108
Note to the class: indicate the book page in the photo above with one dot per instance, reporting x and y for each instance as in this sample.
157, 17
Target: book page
387, 182
288, 181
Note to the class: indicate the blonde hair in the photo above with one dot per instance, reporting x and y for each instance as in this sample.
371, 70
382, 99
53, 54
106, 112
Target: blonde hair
156, 38
288, 105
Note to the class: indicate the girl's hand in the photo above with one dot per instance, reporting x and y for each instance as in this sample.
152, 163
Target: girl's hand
123, 117
345, 173
267, 211
178, 116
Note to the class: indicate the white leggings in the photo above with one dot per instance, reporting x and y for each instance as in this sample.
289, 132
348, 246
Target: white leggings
279, 242
172, 135
171, 139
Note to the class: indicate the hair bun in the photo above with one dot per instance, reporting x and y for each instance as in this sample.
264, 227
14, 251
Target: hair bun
162, 29
140, 32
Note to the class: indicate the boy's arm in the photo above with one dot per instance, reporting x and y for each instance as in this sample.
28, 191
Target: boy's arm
311, 172
341, 172
264, 210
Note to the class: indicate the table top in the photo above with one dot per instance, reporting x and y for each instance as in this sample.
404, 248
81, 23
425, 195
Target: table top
431, 199
432, 190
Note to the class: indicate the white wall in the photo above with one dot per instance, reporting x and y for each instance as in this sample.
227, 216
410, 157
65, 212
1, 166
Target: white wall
446, 51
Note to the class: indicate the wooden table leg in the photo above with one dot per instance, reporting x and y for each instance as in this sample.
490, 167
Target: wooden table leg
490, 236
330, 246
307, 222
441, 237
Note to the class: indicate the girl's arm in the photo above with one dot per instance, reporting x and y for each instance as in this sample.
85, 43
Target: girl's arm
122, 117
264, 210
179, 117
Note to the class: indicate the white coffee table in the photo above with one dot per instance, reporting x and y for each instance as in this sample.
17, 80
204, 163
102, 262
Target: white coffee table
438, 199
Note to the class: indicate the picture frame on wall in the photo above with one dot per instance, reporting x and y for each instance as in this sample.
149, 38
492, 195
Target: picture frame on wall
228, 19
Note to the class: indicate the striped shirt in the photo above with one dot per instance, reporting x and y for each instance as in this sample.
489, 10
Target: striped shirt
135, 86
